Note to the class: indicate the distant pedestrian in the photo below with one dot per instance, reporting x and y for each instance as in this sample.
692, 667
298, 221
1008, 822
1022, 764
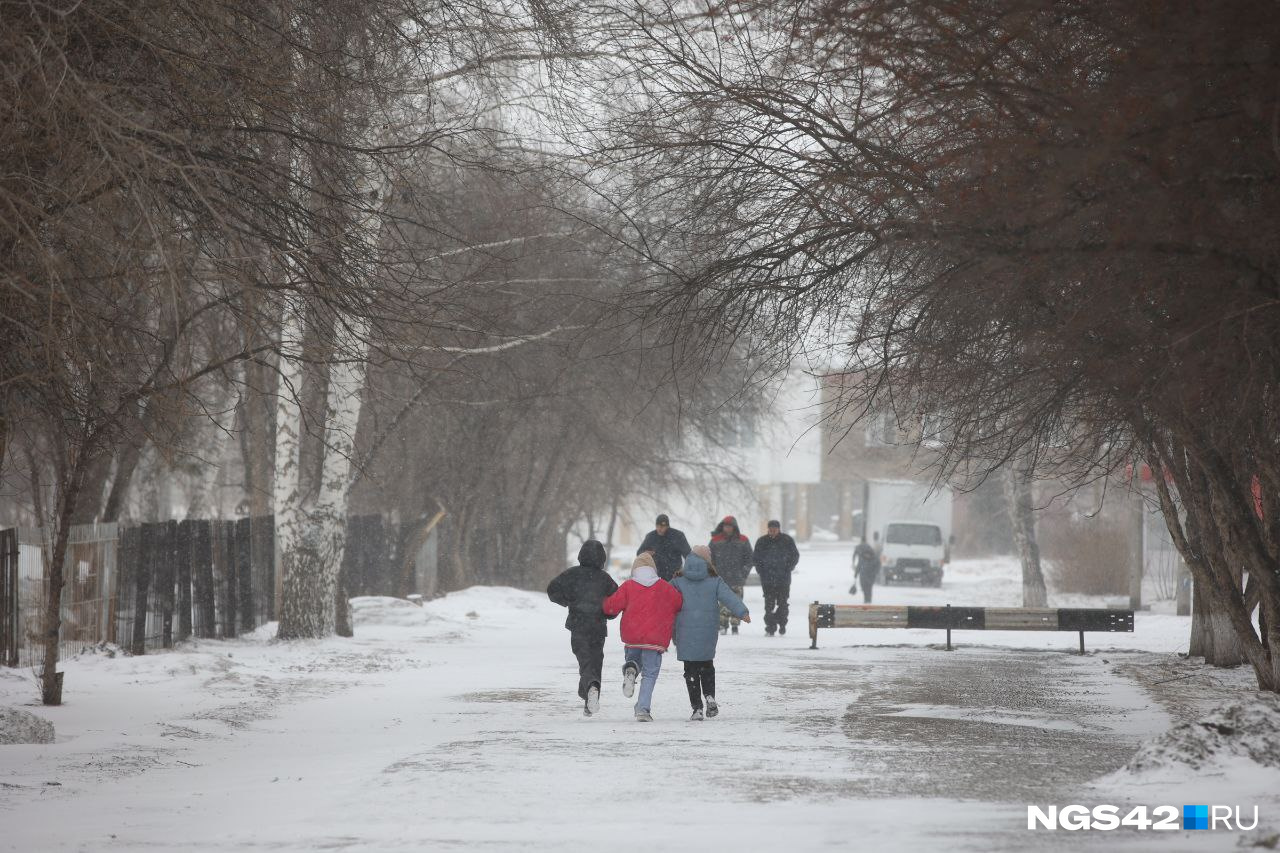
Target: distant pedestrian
866, 566
776, 557
695, 630
583, 590
648, 605
668, 546
732, 556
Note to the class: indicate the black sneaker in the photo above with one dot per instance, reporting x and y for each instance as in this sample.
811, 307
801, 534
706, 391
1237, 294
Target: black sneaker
782, 629
768, 632
735, 630
712, 707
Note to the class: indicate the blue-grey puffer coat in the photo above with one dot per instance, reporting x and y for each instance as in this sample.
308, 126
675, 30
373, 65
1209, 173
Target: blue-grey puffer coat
698, 622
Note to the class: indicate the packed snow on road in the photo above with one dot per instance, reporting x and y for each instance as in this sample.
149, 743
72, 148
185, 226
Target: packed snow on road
456, 726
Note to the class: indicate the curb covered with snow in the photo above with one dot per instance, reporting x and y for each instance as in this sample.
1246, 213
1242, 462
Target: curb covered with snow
1248, 729
17, 726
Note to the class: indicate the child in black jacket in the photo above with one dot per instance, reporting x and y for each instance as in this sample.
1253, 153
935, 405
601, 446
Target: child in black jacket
583, 590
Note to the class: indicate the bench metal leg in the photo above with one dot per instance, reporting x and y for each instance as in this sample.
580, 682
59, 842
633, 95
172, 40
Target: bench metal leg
948, 639
1082, 642
813, 630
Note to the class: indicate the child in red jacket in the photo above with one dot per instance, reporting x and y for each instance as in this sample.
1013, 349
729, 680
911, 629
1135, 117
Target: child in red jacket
648, 606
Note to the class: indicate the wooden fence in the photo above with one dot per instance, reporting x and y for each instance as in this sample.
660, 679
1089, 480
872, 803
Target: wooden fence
156, 584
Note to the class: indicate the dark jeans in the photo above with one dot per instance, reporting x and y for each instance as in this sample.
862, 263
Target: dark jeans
700, 678
588, 648
775, 606
866, 581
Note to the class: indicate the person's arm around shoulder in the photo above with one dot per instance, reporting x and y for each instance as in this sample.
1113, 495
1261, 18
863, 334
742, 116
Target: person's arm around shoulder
610, 588
677, 598
731, 602
617, 602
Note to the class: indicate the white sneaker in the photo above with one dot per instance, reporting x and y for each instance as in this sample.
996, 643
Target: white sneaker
712, 707
593, 700
630, 673
697, 715
644, 717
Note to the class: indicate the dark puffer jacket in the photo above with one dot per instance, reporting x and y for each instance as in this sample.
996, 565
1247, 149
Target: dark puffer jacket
775, 558
669, 551
731, 554
583, 590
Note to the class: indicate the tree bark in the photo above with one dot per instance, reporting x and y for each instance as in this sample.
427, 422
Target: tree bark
287, 498
126, 463
310, 608
68, 494
1021, 514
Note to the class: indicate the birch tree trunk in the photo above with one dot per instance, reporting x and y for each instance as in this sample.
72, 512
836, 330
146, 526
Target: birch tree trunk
311, 585
1018, 490
286, 492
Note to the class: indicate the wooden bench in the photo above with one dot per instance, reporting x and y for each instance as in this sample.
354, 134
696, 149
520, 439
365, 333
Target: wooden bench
950, 618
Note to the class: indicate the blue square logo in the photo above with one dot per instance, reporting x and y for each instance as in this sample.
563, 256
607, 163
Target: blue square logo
1195, 817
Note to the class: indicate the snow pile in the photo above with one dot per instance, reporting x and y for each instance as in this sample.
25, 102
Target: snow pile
1248, 729
23, 727
385, 610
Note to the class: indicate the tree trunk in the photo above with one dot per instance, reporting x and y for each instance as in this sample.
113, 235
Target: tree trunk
126, 464
1201, 645
314, 587
287, 497
88, 501
1021, 514
68, 495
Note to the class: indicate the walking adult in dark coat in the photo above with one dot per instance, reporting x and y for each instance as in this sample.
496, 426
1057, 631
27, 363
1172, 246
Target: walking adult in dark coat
866, 565
668, 546
776, 557
583, 590
732, 557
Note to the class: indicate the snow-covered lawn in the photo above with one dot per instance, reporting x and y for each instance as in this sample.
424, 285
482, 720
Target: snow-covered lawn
456, 726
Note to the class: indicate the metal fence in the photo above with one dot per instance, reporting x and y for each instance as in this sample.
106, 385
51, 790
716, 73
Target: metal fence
88, 603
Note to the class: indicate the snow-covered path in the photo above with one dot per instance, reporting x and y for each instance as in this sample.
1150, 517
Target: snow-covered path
456, 726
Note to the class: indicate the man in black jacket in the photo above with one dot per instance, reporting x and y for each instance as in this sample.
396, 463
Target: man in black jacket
583, 590
668, 547
776, 556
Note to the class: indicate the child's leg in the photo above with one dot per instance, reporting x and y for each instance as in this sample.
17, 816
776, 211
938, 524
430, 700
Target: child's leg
693, 681
708, 678
650, 665
588, 648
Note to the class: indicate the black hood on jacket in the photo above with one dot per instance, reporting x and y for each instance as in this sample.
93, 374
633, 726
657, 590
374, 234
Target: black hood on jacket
591, 555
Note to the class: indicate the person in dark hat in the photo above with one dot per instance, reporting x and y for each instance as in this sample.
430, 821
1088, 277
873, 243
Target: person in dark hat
776, 557
668, 547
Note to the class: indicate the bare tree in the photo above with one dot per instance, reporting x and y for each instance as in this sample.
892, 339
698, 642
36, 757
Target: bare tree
1034, 221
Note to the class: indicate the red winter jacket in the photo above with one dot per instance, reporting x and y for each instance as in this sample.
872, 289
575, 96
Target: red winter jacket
648, 613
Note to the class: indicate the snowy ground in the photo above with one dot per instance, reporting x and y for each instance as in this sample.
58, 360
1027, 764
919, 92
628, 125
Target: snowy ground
456, 726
